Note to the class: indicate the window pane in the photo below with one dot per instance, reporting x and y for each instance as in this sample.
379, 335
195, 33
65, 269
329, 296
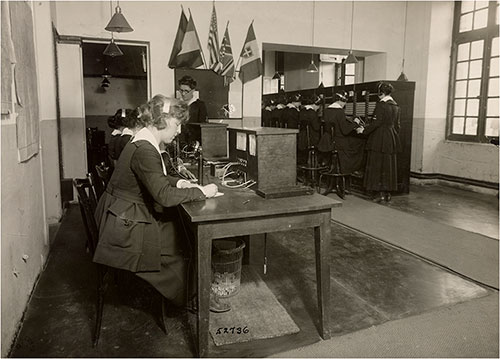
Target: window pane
477, 50
462, 70
492, 109
466, 22
349, 80
475, 69
491, 127
349, 69
494, 66
459, 109
494, 47
458, 125
467, 6
472, 107
481, 4
461, 89
493, 87
471, 126
474, 88
480, 19
463, 51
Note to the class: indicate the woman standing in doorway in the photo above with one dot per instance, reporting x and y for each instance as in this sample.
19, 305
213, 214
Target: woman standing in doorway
382, 146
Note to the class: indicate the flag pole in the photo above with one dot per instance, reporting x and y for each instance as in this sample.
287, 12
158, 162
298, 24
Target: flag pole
199, 43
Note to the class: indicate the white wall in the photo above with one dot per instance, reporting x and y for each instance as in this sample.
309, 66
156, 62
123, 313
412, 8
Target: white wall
25, 213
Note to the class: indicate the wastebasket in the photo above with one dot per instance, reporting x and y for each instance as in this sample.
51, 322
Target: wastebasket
227, 255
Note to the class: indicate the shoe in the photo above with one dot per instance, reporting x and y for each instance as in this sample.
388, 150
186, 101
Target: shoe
387, 197
378, 198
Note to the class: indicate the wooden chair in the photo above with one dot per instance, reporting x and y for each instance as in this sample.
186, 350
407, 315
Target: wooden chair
104, 173
87, 208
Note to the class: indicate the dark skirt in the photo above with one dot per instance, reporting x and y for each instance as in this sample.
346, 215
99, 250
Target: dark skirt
172, 277
381, 172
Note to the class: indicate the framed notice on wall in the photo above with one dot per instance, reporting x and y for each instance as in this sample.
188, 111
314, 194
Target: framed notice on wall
212, 91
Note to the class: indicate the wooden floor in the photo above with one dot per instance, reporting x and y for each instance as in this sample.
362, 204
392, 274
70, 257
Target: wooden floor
371, 283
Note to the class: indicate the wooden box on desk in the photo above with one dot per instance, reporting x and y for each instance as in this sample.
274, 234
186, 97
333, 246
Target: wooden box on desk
268, 156
212, 138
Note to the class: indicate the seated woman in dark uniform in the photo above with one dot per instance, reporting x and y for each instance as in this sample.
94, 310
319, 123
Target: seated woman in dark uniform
116, 122
132, 126
136, 216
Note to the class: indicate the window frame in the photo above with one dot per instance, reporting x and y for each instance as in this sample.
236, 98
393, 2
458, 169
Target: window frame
487, 34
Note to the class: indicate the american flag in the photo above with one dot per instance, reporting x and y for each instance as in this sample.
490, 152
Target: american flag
213, 43
226, 58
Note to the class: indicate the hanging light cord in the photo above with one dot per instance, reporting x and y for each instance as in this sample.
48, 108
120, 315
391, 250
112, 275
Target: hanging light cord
404, 37
314, 6
352, 21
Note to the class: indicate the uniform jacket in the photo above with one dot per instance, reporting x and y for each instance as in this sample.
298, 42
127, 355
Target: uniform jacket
129, 212
383, 130
198, 112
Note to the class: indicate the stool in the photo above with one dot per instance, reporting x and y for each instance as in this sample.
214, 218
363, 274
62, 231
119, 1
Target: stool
312, 169
334, 173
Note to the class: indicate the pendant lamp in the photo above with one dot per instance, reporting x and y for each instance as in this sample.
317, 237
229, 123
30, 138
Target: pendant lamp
402, 75
312, 67
118, 23
351, 59
112, 49
105, 83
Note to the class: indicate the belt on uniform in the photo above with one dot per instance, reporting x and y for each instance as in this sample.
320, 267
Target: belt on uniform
124, 195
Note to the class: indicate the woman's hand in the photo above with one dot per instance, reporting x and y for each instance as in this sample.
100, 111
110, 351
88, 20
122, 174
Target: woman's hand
186, 173
209, 190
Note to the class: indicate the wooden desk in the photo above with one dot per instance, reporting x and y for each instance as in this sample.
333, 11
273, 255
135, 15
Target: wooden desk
242, 212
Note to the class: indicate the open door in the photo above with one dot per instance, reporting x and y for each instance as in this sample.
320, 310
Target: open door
71, 114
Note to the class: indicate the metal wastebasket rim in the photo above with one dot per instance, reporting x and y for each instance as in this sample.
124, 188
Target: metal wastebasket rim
240, 245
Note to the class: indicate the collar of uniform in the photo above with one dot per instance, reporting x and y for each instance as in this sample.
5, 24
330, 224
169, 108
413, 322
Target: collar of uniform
386, 98
280, 106
116, 132
335, 105
146, 135
127, 131
191, 101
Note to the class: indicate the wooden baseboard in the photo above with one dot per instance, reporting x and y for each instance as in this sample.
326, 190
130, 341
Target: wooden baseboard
461, 180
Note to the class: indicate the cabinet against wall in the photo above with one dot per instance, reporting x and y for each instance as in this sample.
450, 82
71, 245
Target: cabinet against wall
362, 100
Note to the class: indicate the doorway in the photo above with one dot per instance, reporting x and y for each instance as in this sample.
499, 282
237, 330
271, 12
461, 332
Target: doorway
110, 84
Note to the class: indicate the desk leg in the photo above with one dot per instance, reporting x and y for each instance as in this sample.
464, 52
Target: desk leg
322, 245
204, 254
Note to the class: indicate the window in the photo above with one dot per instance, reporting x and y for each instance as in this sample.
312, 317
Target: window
346, 74
474, 85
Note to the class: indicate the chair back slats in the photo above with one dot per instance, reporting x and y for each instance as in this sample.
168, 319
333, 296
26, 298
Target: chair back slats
97, 186
104, 173
87, 208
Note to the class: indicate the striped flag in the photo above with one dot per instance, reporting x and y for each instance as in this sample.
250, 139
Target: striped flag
213, 43
178, 40
191, 55
226, 58
251, 65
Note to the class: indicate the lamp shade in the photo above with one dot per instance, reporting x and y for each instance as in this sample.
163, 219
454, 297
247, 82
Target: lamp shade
118, 23
112, 49
105, 83
351, 59
312, 67
402, 77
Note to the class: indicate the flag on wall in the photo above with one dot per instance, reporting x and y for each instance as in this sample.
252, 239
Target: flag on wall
251, 65
213, 43
190, 55
178, 40
226, 58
